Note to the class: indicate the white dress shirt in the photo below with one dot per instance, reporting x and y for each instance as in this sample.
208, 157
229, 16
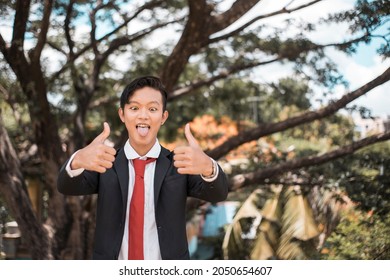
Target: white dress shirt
151, 244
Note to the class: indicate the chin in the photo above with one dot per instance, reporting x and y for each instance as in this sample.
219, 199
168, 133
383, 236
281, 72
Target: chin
144, 140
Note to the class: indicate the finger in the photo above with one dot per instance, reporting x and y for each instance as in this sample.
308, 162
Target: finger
99, 165
181, 170
181, 150
108, 157
185, 170
109, 150
101, 150
99, 169
104, 135
180, 164
181, 157
190, 138
105, 164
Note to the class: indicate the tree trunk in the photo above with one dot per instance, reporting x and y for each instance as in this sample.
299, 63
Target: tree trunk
44, 125
14, 190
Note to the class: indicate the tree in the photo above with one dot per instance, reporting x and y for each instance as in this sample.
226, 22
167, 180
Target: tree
66, 102
363, 231
360, 237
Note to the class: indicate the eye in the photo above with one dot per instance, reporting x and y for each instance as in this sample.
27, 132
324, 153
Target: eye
133, 108
153, 109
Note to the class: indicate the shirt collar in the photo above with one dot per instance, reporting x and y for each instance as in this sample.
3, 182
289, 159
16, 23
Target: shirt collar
154, 152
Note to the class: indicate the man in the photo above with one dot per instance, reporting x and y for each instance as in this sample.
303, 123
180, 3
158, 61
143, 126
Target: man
157, 228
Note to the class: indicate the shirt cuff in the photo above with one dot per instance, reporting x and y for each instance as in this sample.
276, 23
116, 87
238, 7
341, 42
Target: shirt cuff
75, 172
213, 176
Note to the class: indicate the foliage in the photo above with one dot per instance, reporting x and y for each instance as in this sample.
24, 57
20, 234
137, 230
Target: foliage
362, 176
367, 16
360, 236
367, 182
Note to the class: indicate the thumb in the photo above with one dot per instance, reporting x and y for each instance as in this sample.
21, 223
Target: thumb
190, 138
104, 135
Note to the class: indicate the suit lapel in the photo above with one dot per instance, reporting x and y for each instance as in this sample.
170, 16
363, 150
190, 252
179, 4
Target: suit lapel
162, 165
121, 166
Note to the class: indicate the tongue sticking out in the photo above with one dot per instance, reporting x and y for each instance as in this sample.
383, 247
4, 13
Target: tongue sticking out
143, 131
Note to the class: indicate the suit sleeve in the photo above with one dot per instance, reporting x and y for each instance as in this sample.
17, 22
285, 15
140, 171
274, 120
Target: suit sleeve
214, 191
85, 183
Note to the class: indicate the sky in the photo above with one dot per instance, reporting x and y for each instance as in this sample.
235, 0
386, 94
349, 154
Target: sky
357, 69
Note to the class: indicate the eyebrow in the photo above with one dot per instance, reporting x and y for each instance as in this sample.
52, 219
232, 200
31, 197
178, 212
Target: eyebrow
151, 102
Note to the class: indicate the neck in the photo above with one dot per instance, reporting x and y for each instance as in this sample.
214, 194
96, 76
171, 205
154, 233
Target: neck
142, 150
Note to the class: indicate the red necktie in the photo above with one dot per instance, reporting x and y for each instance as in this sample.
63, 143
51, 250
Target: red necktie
136, 220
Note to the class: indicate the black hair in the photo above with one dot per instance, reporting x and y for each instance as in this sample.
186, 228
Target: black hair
141, 82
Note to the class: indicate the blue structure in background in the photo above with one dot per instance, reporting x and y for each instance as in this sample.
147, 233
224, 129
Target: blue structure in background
210, 224
217, 216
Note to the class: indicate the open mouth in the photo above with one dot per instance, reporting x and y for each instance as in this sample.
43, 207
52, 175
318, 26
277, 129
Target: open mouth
143, 129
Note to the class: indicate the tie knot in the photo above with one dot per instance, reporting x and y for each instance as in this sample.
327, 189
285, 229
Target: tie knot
139, 165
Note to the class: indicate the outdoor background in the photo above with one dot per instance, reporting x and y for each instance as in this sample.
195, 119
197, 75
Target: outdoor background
291, 97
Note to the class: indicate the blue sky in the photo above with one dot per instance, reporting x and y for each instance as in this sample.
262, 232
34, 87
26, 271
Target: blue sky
366, 54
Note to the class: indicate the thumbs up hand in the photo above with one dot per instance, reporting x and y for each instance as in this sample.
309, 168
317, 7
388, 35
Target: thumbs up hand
191, 159
96, 156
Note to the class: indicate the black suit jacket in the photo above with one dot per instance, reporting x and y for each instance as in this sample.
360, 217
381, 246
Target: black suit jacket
171, 190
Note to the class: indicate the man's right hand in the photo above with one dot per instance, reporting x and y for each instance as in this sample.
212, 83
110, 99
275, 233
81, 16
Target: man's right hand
96, 156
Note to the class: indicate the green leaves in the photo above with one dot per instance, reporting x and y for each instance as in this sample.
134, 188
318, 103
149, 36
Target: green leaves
360, 236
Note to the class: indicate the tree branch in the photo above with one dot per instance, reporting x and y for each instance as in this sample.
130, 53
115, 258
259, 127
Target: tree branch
270, 128
236, 11
22, 9
36, 53
92, 17
76, 55
68, 18
147, 6
56, 47
3, 47
249, 23
117, 43
242, 180
125, 40
200, 26
184, 90
105, 100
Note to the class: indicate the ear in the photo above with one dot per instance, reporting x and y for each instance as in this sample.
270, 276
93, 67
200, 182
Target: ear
164, 117
121, 114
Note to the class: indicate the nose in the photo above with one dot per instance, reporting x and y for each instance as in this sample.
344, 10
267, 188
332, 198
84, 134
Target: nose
143, 113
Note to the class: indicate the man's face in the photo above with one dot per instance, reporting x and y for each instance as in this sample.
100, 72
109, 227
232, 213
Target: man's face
143, 116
